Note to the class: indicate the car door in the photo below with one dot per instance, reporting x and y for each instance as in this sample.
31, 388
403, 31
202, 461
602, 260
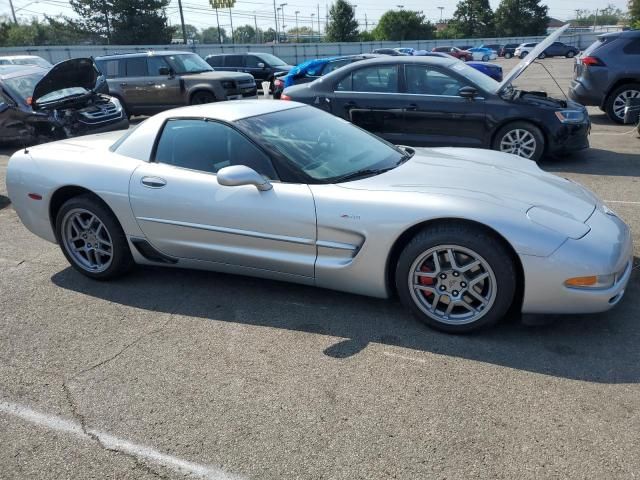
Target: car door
134, 83
437, 115
163, 89
256, 67
368, 97
185, 213
234, 63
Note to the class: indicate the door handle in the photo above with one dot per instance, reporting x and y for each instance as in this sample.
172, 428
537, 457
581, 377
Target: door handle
153, 182
124, 84
412, 107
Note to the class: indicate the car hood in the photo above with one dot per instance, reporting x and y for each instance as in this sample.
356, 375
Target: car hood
496, 177
215, 75
529, 59
77, 72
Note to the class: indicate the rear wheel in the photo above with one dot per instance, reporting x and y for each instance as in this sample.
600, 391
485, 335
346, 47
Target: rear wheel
570, 54
91, 238
523, 54
485, 58
508, 55
456, 278
200, 98
542, 56
617, 100
520, 138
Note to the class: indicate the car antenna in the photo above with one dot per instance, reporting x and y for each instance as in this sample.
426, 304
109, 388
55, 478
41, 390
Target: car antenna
554, 79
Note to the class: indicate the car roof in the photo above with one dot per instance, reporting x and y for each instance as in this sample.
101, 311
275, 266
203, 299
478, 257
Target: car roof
18, 57
229, 111
150, 53
407, 59
14, 71
240, 54
623, 34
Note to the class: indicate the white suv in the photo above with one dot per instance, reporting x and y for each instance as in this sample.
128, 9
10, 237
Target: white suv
524, 49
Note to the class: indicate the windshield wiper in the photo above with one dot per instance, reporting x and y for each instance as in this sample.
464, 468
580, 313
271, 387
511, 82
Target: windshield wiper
367, 172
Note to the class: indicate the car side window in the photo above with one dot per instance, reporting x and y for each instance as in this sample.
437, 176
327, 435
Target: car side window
208, 146
136, 67
154, 64
215, 61
430, 81
382, 79
111, 68
233, 61
252, 61
331, 66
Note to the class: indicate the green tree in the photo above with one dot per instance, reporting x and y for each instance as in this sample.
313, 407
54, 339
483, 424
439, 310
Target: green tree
244, 34
132, 22
521, 18
301, 34
269, 35
210, 35
474, 18
50, 31
192, 32
342, 26
403, 25
634, 13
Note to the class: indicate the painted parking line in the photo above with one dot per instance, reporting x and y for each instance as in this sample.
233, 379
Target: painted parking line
58, 424
625, 202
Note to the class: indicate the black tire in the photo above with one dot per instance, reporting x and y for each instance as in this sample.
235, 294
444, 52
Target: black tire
542, 56
529, 127
611, 98
523, 54
202, 97
121, 260
477, 240
570, 54
508, 55
485, 58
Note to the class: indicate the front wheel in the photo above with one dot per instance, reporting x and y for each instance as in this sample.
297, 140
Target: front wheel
92, 239
570, 54
542, 56
523, 54
485, 58
200, 98
456, 278
508, 55
520, 138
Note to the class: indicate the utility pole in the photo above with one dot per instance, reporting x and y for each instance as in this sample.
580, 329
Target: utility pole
233, 40
595, 21
319, 34
441, 9
184, 31
275, 16
218, 22
255, 22
366, 25
279, 20
297, 31
13, 12
282, 5
312, 15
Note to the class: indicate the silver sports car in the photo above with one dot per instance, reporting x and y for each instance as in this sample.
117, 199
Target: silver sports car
285, 191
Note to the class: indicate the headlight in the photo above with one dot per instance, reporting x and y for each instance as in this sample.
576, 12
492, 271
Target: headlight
592, 281
228, 85
571, 116
116, 102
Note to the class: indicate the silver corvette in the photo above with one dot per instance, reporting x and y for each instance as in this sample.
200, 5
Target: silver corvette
285, 191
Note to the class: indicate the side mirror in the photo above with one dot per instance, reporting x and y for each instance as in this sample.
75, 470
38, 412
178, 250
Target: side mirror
468, 92
164, 71
237, 175
261, 65
4, 106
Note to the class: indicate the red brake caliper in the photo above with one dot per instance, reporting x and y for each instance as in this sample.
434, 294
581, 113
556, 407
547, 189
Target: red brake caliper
427, 281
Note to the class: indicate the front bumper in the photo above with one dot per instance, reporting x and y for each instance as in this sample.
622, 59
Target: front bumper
569, 138
606, 249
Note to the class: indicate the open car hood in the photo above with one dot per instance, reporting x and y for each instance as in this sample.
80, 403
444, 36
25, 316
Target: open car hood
530, 58
77, 72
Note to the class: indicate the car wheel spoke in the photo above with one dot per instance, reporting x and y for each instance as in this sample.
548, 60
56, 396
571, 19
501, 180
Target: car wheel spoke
87, 240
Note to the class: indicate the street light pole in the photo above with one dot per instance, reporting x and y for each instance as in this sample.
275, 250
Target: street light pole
297, 30
275, 16
231, 20
441, 9
312, 15
282, 5
218, 22
13, 12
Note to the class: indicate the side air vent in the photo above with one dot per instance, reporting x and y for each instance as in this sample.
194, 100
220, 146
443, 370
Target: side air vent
147, 251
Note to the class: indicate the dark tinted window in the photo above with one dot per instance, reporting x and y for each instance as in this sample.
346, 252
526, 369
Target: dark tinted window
234, 61
443, 49
633, 47
154, 65
252, 61
383, 79
331, 66
111, 68
136, 67
215, 61
430, 81
209, 146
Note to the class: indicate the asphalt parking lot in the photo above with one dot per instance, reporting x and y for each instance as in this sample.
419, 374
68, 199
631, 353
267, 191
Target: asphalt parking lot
171, 373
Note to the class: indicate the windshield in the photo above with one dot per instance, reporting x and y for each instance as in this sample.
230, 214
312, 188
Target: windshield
23, 86
483, 81
188, 63
326, 148
271, 59
40, 62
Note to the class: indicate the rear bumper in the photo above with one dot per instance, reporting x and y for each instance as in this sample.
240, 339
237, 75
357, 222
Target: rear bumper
585, 94
606, 249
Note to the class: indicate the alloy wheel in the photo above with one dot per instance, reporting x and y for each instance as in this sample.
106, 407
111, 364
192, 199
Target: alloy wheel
452, 284
519, 142
620, 102
87, 240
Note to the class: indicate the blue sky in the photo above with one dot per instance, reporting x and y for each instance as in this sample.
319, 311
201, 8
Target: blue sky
200, 14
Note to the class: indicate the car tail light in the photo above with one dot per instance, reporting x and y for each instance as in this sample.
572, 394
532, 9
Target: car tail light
285, 97
278, 82
592, 62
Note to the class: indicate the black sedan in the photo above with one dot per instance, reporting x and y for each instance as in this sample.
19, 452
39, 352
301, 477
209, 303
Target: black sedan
430, 101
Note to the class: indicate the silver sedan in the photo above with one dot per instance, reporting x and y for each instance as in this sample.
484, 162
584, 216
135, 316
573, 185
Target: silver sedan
284, 191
